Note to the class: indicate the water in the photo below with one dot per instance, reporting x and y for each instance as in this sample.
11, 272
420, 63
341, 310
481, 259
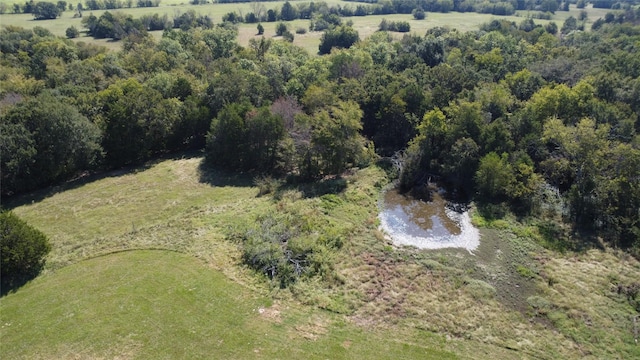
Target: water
426, 225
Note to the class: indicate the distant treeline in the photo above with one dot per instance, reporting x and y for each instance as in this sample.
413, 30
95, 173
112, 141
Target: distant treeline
30, 7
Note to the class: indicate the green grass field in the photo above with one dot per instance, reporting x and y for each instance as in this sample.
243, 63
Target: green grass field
166, 305
365, 26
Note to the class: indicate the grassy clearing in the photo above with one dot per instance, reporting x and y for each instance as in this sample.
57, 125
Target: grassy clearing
165, 305
511, 299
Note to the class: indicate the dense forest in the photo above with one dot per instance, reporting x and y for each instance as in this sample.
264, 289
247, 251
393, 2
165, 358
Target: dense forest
538, 121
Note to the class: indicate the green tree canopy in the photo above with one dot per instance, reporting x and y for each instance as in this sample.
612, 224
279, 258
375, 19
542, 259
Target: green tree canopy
45, 10
340, 37
44, 140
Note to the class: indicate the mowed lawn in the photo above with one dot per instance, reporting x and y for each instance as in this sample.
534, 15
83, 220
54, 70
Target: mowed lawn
166, 305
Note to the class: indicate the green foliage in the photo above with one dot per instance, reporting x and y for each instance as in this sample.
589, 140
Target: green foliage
288, 12
245, 138
525, 272
43, 10
113, 25
72, 32
569, 25
23, 250
494, 177
399, 26
281, 28
137, 122
336, 142
513, 88
340, 37
44, 140
283, 247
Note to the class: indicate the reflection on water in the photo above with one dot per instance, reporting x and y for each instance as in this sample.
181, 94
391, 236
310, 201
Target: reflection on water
427, 225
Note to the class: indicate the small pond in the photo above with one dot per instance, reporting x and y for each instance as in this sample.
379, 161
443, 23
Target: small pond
430, 224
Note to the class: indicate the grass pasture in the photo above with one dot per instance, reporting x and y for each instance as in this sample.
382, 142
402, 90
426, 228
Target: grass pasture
166, 305
365, 25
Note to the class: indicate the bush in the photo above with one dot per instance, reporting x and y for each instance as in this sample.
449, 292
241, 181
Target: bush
281, 28
301, 30
288, 35
479, 289
22, 250
282, 248
72, 32
419, 14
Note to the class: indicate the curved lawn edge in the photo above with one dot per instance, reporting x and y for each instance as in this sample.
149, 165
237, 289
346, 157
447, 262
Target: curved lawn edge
153, 304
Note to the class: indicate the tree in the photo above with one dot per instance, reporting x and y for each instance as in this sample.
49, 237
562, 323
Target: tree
272, 16
137, 122
549, 5
44, 140
72, 32
341, 37
260, 29
461, 163
569, 25
419, 14
62, 5
281, 29
23, 250
226, 145
424, 150
336, 141
244, 138
494, 177
288, 35
288, 12
45, 10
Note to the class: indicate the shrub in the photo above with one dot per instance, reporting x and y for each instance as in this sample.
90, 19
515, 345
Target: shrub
419, 14
281, 28
288, 35
479, 289
22, 250
266, 185
301, 30
282, 247
72, 32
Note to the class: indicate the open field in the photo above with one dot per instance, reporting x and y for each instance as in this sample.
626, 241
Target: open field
165, 305
511, 299
365, 26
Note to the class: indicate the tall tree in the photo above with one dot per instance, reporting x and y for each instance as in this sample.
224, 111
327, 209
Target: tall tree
44, 140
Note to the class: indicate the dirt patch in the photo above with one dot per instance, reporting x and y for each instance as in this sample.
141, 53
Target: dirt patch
271, 313
505, 263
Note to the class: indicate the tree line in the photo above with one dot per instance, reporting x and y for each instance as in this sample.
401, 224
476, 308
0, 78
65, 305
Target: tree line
512, 116
35, 7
